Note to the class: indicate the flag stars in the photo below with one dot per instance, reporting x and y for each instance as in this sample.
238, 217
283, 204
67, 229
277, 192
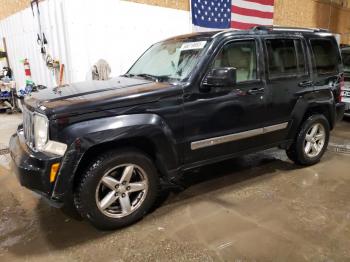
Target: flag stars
214, 13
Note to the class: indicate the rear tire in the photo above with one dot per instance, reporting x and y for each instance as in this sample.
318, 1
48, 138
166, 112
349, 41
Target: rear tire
117, 189
311, 141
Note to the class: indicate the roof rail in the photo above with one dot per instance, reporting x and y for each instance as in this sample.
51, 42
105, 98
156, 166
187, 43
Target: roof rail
283, 28
261, 27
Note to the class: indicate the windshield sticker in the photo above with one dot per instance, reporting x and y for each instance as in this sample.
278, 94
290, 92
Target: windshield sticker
193, 45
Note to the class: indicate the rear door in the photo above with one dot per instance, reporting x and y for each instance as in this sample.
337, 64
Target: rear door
327, 65
287, 73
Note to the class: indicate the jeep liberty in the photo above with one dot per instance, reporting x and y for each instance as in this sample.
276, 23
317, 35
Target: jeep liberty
106, 147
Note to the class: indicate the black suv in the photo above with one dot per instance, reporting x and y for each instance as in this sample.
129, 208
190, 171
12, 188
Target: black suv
345, 96
192, 100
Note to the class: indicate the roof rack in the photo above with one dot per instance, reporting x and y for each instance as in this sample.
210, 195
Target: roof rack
282, 28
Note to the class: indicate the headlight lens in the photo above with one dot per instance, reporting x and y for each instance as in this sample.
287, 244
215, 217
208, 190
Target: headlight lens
40, 131
41, 137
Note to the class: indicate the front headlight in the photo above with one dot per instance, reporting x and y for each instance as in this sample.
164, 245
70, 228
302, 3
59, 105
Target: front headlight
41, 137
40, 131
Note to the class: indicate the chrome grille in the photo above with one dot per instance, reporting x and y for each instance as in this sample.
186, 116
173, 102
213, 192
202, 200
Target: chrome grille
28, 127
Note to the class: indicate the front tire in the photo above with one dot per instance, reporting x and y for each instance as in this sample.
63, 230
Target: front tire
311, 141
117, 189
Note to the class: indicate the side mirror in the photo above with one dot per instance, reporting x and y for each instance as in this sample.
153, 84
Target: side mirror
220, 77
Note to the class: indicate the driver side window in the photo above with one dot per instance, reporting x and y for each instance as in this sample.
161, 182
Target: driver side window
240, 55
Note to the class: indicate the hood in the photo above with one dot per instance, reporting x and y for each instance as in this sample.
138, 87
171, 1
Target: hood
92, 96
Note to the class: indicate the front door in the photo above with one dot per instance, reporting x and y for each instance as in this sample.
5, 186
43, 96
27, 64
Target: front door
219, 121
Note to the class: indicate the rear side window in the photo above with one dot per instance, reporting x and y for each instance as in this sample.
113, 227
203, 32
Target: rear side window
326, 56
285, 57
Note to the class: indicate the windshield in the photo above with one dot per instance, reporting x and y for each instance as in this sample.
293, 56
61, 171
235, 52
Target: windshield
169, 60
346, 62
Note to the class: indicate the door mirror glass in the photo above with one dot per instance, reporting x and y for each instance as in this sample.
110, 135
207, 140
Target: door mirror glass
220, 77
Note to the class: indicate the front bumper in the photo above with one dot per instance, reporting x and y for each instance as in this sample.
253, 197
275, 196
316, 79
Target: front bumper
32, 168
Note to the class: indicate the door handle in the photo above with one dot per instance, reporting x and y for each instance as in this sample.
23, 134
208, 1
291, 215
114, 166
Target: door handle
306, 83
255, 91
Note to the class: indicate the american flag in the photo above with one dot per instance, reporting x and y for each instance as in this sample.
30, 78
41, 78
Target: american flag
237, 14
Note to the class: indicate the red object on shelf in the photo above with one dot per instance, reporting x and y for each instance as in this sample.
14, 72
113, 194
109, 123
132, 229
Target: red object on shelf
27, 71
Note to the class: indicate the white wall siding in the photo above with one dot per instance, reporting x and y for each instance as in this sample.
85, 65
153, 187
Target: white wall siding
80, 32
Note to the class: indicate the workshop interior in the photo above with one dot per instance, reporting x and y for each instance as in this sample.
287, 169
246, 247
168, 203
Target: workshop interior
175, 130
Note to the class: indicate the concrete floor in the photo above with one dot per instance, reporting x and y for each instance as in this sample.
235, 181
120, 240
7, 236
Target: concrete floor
8, 125
258, 207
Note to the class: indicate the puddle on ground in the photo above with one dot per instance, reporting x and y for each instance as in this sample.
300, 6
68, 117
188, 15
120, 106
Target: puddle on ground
258, 207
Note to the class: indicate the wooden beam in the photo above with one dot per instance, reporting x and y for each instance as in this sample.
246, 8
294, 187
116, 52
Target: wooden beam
5, 52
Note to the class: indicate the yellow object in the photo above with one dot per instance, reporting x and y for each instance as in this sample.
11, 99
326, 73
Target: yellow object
53, 173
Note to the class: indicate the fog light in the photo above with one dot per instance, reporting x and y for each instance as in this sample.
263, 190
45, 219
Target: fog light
53, 173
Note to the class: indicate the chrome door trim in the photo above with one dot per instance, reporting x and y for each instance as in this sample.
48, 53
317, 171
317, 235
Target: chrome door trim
273, 128
237, 136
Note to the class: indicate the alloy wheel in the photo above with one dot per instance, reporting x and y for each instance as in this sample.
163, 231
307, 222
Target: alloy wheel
314, 140
121, 190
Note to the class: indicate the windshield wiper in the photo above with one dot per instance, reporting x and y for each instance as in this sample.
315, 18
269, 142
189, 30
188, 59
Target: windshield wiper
151, 77
128, 75
148, 76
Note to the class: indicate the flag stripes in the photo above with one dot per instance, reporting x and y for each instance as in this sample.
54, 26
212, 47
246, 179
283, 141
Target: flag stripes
248, 13
237, 14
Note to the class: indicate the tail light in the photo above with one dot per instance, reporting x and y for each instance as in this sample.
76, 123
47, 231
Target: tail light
342, 86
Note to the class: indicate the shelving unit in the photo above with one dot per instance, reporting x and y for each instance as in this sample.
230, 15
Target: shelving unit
8, 102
